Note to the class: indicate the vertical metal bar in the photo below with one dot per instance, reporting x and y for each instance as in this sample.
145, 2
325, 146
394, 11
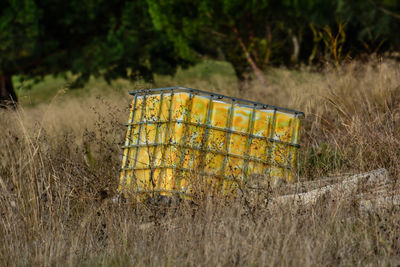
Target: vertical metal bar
228, 136
271, 140
165, 143
250, 137
206, 130
157, 133
186, 133
125, 159
195, 149
139, 133
291, 147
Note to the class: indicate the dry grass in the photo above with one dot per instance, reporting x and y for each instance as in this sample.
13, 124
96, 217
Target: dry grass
59, 167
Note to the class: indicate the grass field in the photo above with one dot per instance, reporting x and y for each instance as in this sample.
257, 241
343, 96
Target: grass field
60, 157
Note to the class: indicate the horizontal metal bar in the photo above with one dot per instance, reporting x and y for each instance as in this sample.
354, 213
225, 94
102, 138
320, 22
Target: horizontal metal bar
205, 150
159, 191
205, 174
215, 96
252, 136
198, 148
288, 167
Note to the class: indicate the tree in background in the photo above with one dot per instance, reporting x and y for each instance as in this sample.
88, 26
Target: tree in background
372, 25
95, 37
137, 38
19, 31
241, 30
254, 35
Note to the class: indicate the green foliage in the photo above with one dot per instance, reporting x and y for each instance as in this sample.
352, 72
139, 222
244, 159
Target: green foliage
321, 160
19, 32
131, 39
270, 32
95, 37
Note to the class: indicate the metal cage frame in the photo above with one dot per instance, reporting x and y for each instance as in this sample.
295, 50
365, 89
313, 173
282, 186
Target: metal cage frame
233, 101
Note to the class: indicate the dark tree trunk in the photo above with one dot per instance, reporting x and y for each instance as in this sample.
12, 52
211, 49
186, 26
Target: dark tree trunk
233, 54
244, 79
8, 98
294, 58
260, 76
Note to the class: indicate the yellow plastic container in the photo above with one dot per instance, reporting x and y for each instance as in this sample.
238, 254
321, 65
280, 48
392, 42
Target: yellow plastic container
177, 136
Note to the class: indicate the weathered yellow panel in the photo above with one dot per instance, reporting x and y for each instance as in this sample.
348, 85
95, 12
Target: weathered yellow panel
178, 137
